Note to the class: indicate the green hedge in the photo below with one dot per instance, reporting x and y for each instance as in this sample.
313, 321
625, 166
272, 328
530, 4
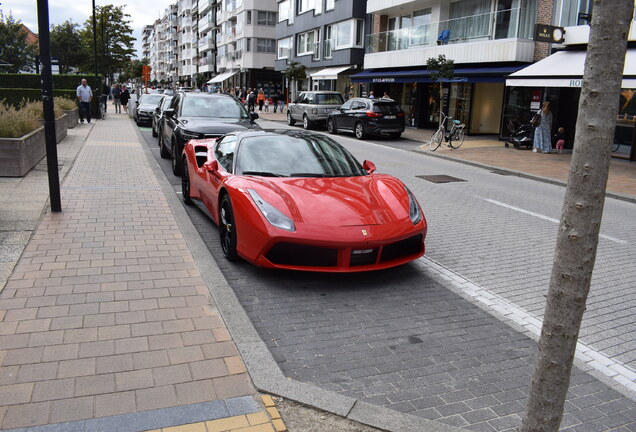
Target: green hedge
32, 81
15, 97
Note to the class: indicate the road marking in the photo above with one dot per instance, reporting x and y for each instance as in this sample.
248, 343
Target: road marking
544, 217
622, 377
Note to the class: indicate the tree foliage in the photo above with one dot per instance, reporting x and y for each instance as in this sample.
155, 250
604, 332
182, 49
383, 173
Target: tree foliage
14, 48
66, 46
441, 68
296, 72
115, 43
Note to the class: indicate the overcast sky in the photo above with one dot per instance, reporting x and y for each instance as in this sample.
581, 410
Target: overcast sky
142, 12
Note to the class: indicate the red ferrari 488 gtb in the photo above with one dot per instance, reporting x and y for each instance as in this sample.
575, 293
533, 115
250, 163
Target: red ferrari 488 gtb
298, 200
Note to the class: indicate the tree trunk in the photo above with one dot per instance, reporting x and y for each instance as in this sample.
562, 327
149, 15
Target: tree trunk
577, 238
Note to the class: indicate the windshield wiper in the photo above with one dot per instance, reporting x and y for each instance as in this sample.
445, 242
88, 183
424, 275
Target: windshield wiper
307, 175
262, 174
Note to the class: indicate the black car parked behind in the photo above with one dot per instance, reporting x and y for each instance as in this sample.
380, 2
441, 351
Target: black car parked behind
364, 116
199, 116
146, 107
157, 116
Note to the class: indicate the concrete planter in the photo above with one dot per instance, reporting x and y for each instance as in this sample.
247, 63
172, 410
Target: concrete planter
72, 118
60, 128
19, 155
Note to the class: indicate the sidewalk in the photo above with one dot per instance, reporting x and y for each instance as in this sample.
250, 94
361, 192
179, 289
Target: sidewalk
105, 322
490, 153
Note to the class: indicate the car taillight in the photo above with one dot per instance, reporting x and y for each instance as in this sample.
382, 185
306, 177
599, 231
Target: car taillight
400, 114
373, 114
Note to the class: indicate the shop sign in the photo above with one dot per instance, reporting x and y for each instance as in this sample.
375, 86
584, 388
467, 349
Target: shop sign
535, 103
383, 80
576, 83
548, 33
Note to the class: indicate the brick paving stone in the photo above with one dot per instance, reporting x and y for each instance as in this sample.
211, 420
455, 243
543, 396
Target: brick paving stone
53, 389
171, 374
94, 384
66, 410
156, 397
114, 404
197, 391
134, 380
32, 414
76, 368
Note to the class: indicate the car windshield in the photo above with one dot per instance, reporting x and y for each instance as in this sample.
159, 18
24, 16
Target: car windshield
150, 99
166, 103
287, 156
208, 106
329, 99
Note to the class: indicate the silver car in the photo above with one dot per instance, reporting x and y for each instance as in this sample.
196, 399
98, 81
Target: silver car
312, 107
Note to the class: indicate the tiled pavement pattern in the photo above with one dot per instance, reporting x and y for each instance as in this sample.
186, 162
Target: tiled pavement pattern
106, 313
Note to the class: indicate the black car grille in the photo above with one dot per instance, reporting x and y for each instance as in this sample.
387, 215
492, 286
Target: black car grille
302, 255
403, 248
211, 135
361, 259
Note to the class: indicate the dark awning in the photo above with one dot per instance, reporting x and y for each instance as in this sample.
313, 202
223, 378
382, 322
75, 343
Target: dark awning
482, 74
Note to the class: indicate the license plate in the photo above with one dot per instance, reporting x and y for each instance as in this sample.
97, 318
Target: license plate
389, 117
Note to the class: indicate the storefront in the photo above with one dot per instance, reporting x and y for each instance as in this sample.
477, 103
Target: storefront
558, 79
474, 96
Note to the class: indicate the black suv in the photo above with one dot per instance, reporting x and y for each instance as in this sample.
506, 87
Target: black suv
199, 116
146, 107
364, 116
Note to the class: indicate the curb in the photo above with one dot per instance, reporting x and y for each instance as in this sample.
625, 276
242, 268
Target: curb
263, 369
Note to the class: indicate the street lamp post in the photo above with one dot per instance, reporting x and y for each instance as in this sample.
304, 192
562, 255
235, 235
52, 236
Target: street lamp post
96, 89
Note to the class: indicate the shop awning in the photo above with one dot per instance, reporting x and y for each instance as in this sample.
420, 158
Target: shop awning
565, 69
222, 77
330, 73
476, 74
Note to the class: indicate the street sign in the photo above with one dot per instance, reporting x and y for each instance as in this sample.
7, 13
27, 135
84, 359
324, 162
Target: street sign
145, 72
548, 33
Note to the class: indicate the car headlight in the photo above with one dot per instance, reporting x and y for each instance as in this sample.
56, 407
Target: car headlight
189, 135
414, 209
271, 213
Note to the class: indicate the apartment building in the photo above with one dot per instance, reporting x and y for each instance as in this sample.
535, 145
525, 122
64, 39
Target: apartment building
558, 79
246, 45
206, 44
486, 39
186, 33
146, 38
326, 36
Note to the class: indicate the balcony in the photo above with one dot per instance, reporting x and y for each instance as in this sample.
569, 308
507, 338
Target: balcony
500, 36
206, 44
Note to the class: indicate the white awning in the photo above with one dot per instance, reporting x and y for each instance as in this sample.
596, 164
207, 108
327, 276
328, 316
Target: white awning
222, 77
330, 73
565, 69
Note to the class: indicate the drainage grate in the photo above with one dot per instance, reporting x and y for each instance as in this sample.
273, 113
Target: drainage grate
440, 178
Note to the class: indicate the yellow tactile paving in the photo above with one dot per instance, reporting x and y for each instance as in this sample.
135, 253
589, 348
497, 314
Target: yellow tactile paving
268, 420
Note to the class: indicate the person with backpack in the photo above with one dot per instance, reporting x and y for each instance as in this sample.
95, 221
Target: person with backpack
116, 92
251, 101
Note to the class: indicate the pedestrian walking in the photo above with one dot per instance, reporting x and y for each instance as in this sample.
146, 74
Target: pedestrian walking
84, 96
560, 139
267, 102
275, 101
281, 102
385, 96
251, 101
125, 97
371, 95
543, 131
116, 92
260, 99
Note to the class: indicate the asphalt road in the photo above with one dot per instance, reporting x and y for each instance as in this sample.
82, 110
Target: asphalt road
448, 336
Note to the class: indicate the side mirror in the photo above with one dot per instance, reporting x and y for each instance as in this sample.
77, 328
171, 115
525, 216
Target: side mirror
169, 112
158, 110
211, 166
253, 116
369, 166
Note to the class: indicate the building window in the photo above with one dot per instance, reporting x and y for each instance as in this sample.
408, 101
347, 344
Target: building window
266, 18
329, 42
248, 18
330, 4
286, 11
348, 34
306, 43
284, 45
265, 45
307, 5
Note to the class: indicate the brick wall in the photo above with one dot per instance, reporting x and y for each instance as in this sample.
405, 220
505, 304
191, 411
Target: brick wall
545, 15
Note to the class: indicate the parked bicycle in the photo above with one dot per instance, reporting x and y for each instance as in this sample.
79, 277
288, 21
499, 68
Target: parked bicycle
454, 137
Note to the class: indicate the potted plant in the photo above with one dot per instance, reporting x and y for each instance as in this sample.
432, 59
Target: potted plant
37, 110
22, 141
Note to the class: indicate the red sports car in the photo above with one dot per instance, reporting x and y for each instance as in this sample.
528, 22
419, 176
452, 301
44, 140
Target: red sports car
298, 200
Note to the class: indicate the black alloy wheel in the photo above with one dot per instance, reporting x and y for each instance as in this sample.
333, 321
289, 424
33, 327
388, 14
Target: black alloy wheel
154, 130
163, 151
331, 127
227, 229
185, 183
176, 166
